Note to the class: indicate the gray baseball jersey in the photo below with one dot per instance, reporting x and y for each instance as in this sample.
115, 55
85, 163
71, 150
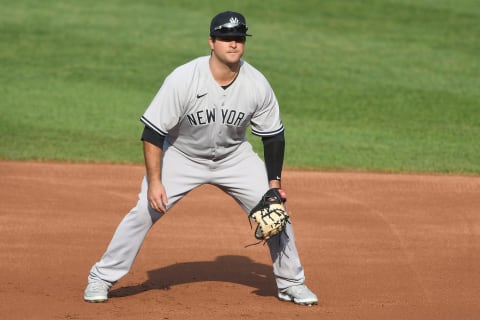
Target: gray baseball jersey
203, 120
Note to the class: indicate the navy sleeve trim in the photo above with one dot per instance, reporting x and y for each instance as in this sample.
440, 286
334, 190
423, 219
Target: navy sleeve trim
267, 133
152, 126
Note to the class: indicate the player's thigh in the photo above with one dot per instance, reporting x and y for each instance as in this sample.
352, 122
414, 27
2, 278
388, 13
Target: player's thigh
246, 181
180, 175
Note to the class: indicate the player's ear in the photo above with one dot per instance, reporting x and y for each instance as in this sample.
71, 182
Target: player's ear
211, 41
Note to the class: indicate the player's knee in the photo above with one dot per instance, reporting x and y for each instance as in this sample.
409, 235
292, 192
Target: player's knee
145, 215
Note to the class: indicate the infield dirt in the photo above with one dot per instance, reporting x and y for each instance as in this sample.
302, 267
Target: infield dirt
374, 246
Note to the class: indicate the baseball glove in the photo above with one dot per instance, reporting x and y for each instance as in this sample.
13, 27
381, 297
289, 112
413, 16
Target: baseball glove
270, 214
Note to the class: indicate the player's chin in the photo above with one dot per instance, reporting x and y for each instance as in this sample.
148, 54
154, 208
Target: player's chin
233, 60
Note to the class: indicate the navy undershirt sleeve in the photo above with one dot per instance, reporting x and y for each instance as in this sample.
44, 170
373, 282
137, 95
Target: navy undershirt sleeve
273, 153
153, 137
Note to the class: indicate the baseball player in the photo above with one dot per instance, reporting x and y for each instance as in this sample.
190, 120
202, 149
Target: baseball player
195, 134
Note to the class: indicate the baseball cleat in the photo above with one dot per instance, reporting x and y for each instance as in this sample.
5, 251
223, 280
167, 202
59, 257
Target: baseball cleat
299, 294
96, 291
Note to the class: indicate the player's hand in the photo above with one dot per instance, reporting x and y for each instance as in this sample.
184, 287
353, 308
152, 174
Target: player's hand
275, 184
157, 197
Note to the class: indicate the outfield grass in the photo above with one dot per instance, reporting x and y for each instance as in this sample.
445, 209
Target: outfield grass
363, 85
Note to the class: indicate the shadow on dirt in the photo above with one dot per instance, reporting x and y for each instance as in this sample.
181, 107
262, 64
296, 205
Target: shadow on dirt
235, 269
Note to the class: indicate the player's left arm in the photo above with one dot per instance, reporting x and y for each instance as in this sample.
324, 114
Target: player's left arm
273, 153
266, 123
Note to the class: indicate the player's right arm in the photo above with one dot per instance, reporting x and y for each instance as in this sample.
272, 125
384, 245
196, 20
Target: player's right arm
162, 114
152, 152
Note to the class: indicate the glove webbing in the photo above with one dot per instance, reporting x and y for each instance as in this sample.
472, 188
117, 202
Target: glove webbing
258, 231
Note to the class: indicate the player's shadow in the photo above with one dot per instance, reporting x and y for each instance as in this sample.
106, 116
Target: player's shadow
234, 269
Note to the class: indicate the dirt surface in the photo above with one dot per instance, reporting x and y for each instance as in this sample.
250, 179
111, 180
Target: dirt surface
374, 246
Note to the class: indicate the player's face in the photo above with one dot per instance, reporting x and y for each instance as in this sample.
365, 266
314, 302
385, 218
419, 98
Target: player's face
228, 50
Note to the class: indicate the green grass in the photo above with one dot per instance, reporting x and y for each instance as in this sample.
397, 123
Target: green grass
363, 85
